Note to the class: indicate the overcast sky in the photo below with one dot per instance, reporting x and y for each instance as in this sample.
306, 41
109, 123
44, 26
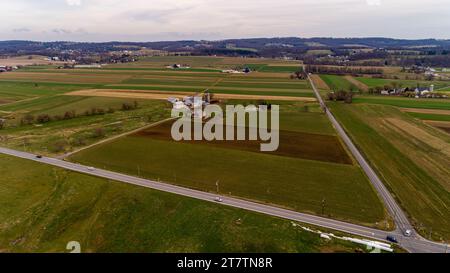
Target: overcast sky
153, 20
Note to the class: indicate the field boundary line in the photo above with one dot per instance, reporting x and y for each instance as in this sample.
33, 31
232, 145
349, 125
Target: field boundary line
66, 155
19, 101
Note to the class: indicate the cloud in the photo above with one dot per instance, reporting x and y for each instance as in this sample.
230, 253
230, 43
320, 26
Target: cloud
150, 15
172, 19
22, 29
61, 31
373, 2
74, 2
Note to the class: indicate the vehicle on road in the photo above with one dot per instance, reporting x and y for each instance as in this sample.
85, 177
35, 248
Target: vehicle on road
218, 199
91, 169
392, 239
39, 156
408, 233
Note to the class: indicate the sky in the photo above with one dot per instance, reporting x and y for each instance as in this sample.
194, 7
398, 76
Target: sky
157, 20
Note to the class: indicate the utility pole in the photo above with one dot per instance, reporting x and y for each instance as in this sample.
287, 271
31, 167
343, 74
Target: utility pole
218, 186
324, 203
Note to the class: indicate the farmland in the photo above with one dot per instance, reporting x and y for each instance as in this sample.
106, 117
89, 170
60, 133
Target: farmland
43, 208
56, 112
297, 178
406, 140
404, 102
412, 158
85, 105
373, 82
338, 82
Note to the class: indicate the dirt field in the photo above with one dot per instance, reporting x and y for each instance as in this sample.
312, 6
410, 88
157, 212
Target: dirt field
443, 125
292, 144
426, 111
319, 82
420, 134
63, 77
25, 60
159, 95
357, 83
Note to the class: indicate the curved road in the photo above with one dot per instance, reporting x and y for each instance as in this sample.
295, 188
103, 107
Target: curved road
411, 244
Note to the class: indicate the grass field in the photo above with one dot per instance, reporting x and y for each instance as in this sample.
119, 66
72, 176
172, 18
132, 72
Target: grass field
64, 135
373, 82
43, 208
434, 117
152, 74
442, 104
40, 90
284, 180
15, 91
293, 144
280, 69
312, 169
411, 157
337, 83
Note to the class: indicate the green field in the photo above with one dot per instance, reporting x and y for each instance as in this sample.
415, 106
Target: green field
312, 173
433, 117
43, 208
411, 157
280, 69
338, 82
15, 91
373, 82
442, 104
152, 74
62, 135
39, 90
282, 180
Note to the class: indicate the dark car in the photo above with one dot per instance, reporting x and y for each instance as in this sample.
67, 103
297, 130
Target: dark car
39, 156
392, 239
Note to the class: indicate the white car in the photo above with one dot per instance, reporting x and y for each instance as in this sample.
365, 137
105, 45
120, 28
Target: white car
218, 199
91, 169
408, 233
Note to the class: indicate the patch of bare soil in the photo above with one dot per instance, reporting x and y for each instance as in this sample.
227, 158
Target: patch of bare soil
161, 95
319, 83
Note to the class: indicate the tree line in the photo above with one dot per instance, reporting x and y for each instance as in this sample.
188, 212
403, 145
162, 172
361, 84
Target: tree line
341, 95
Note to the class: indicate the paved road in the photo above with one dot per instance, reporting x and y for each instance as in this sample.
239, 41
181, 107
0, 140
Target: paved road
394, 209
411, 244
401, 220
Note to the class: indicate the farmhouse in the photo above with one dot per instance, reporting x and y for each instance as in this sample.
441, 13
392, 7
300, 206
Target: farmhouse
7, 68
